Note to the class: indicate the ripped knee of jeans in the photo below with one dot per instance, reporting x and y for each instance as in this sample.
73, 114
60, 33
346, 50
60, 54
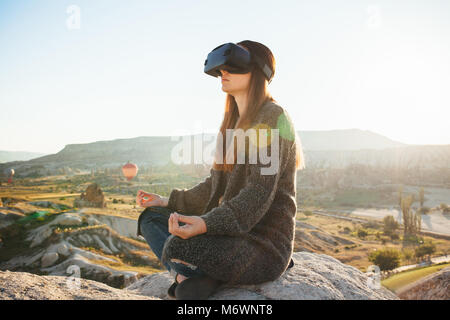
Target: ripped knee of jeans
190, 266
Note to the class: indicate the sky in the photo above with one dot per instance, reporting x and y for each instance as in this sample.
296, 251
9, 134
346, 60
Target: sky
81, 71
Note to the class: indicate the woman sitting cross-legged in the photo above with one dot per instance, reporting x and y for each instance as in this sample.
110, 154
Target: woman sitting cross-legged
237, 226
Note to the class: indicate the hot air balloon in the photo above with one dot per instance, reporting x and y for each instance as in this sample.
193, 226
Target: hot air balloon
10, 175
129, 170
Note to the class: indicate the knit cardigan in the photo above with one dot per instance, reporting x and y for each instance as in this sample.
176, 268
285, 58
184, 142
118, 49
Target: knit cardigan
250, 233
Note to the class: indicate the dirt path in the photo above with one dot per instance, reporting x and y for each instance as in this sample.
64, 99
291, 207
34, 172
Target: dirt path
435, 222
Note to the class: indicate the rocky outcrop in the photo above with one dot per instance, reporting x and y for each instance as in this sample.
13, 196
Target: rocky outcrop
435, 286
27, 286
49, 259
93, 197
123, 225
8, 216
61, 241
313, 277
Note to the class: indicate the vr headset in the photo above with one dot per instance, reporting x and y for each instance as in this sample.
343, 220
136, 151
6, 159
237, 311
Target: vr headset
234, 59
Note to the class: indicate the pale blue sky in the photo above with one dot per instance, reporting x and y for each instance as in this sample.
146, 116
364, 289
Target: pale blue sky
135, 68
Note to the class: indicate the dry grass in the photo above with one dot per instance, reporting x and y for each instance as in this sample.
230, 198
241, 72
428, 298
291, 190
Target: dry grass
357, 255
121, 265
402, 279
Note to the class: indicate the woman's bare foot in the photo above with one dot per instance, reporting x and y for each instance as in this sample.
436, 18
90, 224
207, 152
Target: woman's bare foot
180, 278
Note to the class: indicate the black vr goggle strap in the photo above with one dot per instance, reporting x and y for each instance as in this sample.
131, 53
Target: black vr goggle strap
264, 67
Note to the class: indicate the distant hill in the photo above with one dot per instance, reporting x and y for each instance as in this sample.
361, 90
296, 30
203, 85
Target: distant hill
334, 148
154, 150
346, 139
7, 156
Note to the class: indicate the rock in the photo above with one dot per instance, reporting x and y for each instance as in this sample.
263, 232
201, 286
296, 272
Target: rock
63, 250
92, 198
314, 276
49, 259
92, 221
8, 218
100, 243
124, 226
33, 261
10, 200
154, 285
27, 286
435, 286
93, 270
69, 219
39, 235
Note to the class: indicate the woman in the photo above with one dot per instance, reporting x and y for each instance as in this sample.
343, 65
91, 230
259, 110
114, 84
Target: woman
237, 226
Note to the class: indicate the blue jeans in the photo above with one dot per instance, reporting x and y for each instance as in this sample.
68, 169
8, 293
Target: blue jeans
154, 227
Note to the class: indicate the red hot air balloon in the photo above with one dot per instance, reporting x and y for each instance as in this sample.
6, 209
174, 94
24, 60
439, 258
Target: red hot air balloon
11, 174
129, 170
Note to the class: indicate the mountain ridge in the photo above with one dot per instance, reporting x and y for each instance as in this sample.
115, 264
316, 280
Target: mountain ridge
333, 148
8, 156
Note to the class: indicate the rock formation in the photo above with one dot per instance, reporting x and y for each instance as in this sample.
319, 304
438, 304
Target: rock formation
28, 286
313, 277
61, 241
92, 198
57, 244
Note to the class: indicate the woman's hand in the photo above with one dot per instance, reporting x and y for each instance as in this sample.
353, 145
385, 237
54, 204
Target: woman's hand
194, 225
145, 199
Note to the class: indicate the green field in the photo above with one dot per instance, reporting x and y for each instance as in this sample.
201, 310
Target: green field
402, 279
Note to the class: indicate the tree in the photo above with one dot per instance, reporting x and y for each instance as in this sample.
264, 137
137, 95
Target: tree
389, 225
421, 196
362, 233
425, 249
408, 254
413, 198
412, 222
444, 208
400, 196
386, 259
